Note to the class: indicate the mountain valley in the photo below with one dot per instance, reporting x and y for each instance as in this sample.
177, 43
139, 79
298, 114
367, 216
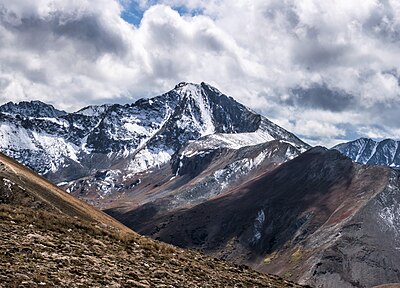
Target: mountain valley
51, 239
319, 219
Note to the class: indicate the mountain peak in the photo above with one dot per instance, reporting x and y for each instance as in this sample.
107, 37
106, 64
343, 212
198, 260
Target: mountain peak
188, 90
183, 84
189, 87
209, 111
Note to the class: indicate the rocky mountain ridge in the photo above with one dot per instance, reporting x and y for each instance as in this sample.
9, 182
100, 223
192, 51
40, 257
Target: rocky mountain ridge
369, 151
31, 109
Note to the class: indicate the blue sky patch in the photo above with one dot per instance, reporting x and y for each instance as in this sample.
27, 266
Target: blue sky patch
133, 13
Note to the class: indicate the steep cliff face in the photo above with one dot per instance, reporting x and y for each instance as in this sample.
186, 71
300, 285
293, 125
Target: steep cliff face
319, 218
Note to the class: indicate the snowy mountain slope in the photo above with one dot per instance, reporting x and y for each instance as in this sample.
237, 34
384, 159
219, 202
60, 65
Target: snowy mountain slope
368, 151
132, 138
213, 171
236, 141
43, 143
46, 143
202, 111
188, 179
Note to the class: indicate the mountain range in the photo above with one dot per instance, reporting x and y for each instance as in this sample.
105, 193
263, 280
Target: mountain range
99, 151
195, 168
368, 151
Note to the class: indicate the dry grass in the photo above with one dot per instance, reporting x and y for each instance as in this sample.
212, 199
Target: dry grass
37, 189
45, 249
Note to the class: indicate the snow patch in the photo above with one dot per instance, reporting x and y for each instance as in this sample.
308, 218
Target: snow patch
258, 225
8, 183
224, 140
136, 129
149, 158
16, 138
291, 153
56, 147
59, 121
390, 207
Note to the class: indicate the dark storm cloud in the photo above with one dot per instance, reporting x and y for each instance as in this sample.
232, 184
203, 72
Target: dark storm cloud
279, 9
210, 42
35, 75
387, 113
313, 54
382, 23
85, 32
90, 31
320, 97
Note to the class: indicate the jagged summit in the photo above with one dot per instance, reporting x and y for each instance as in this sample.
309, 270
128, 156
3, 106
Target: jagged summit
31, 109
191, 85
183, 84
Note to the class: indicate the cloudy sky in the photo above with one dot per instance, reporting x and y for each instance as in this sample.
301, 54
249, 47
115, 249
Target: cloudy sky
326, 70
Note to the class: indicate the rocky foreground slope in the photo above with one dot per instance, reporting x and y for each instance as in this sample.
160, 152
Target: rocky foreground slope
50, 239
319, 219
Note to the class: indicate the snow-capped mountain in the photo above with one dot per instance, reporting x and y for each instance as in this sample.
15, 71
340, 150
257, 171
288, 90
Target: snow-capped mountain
368, 151
121, 141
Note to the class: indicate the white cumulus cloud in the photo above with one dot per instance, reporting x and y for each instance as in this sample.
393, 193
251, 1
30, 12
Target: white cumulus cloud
320, 68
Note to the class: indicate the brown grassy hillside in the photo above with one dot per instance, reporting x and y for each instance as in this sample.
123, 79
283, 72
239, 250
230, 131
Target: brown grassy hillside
22, 186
